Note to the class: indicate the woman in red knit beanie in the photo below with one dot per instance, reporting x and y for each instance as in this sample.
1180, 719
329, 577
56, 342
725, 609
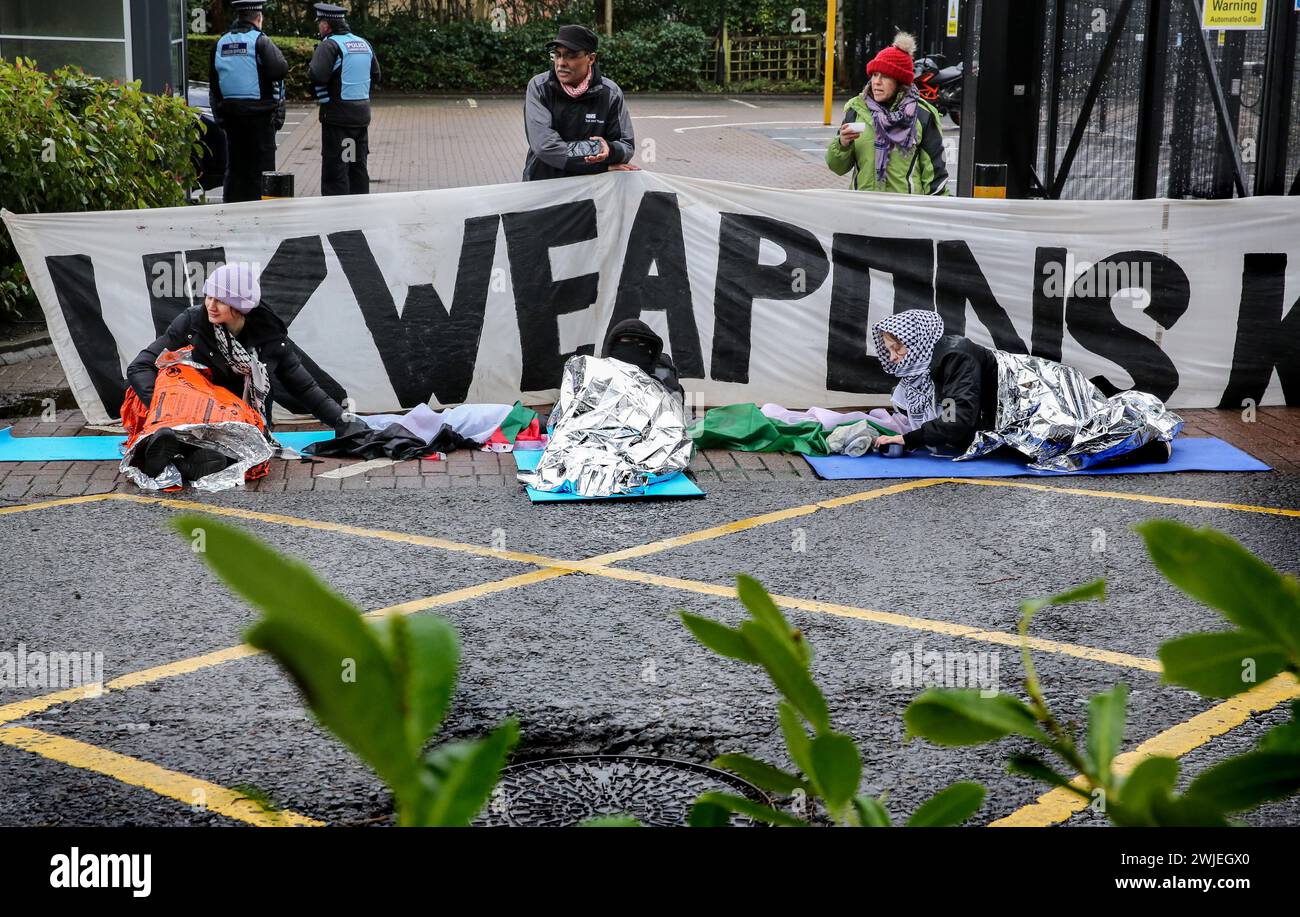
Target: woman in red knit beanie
890, 137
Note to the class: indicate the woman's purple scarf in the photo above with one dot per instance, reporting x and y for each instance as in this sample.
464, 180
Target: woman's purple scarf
896, 128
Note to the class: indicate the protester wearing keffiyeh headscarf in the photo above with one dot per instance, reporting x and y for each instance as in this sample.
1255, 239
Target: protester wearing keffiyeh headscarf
918, 330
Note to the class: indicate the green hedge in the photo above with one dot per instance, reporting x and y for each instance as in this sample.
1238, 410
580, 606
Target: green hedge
74, 142
420, 56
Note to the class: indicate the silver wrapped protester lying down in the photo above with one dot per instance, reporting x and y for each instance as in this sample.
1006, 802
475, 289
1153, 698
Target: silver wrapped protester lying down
614, 430
1054, 415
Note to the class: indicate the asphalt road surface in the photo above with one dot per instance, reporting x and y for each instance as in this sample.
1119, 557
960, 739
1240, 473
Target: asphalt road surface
598, 661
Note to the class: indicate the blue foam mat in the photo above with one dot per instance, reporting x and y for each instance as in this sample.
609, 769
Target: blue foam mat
104, 448
1191, 453
672, 488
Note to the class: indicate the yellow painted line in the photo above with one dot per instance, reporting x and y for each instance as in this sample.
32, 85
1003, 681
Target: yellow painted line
1059, 804
50, 504
741, 525
908, 622
24, 708
339, 528
173, 784
1120, 495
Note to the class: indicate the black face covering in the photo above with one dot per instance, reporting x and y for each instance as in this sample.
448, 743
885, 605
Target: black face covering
635, 350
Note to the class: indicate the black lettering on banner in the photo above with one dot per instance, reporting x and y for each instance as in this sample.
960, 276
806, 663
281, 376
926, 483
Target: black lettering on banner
958, 280
656, 239
1048, 335
166, 278
742, 279
426, 350
539, 300
1266, 338
292, 276
851, 361
1093, 323
73, 277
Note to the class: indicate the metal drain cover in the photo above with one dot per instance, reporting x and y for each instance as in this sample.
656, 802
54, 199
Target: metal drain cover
559, 792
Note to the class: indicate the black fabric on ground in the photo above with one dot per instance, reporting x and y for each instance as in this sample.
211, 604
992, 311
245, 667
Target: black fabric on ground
1156, 452
394, 441
156, 452
200, 463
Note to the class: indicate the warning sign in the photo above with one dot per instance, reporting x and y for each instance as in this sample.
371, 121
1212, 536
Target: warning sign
953, 16
1233, 14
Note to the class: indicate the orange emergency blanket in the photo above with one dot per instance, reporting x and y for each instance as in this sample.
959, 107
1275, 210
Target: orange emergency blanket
186, 400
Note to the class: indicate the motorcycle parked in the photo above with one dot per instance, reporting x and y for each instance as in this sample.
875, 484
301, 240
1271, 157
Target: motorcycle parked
939, 85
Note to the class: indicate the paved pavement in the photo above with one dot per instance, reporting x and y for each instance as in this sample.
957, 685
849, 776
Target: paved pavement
594, 658
421, 143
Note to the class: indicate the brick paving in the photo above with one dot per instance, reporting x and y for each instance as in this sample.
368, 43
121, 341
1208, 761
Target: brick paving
419, 143
1273, 436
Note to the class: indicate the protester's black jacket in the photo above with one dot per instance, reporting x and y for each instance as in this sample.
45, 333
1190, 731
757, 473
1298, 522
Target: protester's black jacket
271, 69
966, 373
553, 122
262, 330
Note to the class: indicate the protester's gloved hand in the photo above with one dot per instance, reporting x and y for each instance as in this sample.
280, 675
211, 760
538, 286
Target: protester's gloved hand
348, 424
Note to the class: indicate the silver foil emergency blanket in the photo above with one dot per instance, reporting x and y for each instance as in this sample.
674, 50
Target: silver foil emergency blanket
242, 442
1054, 415
614, 430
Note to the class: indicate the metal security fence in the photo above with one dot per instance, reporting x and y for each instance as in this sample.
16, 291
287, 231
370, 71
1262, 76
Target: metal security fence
1136, 99
775, 58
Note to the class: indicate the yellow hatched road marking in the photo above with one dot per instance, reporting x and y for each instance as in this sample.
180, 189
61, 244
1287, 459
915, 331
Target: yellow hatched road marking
1121, 495
909, 622
50, 504
182, 787
169, 783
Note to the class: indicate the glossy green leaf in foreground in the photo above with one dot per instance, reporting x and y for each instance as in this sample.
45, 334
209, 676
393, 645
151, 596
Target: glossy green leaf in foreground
871, 812
1248, 780
740, 805
1220, 664
789, 673
759, 603
336, 657
763, 775
723, 640
1216, 570
797, 742
949, 807
963, 717
837, 765
1106, 717
465, 774
611, 821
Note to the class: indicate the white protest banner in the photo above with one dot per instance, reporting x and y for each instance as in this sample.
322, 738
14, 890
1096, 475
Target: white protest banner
480, 294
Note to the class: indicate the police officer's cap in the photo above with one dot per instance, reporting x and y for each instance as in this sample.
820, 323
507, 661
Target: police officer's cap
247, 6
329, 11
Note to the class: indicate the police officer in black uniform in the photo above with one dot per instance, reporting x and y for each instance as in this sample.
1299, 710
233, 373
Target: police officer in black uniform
343, 69
247, 93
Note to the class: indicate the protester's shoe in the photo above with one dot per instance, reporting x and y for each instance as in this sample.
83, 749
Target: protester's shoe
158, 452
200, 463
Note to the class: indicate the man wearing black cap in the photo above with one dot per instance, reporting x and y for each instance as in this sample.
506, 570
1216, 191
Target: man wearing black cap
576, 120
343, 68
246, 88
